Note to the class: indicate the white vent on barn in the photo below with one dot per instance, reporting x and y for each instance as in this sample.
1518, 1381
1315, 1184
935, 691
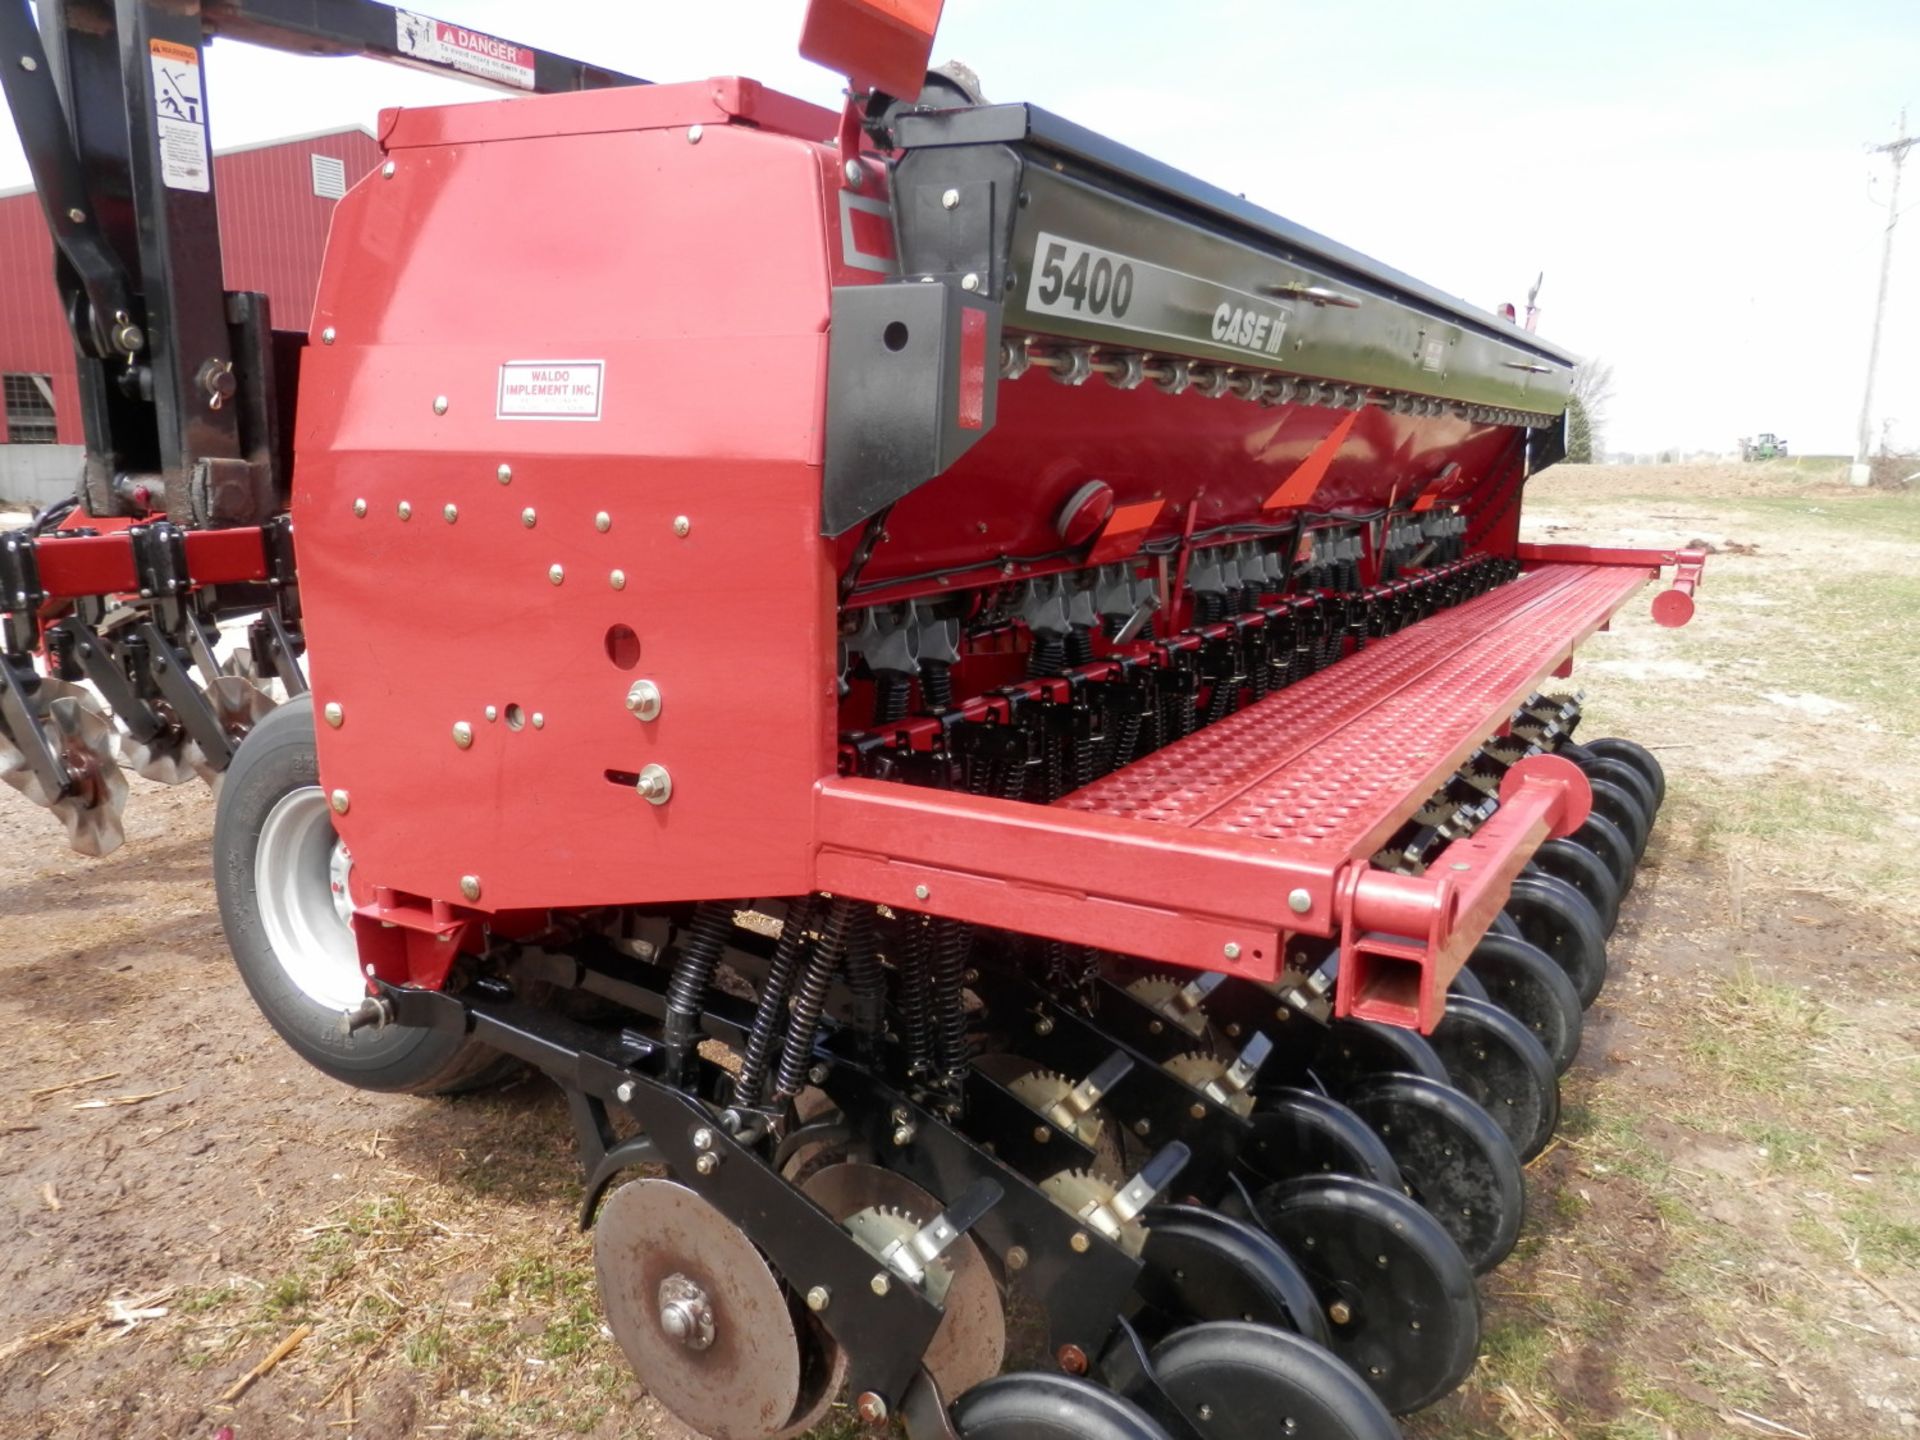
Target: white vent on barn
329, 176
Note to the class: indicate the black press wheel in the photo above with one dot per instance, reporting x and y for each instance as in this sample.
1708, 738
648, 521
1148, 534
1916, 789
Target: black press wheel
1557, 918
1628, 778
1234, 1381
1466, 983
1401, 1307
1201, 1265
1045, 1405
1523, 980
1357, 1050
1456, 1162
281, 874
1632, 752
1496, 1063
1585, 872
1300, 1132
1608, 841
1610, 802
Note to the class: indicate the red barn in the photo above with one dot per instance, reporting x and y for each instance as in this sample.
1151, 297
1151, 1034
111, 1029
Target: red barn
276, 201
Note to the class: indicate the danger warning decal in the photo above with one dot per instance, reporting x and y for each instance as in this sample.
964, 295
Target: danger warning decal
180, 116
550, 390
471, 52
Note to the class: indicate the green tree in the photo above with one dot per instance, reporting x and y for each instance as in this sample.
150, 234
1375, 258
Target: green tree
1587, 411
1579, 432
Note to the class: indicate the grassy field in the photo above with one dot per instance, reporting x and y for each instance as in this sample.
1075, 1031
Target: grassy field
1725, 1239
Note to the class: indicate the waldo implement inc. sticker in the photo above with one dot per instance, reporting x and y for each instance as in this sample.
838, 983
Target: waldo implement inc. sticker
550, 390
471, 52
180, 116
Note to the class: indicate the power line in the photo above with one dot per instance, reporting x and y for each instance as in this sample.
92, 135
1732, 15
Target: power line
1896, 149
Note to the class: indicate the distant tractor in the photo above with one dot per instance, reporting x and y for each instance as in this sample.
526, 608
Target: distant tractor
1765, 446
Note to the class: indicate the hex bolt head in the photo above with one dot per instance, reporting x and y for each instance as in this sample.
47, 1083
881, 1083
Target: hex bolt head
681, 525
404, 510
703, 1139
360, 509
556, 573
950, 199
920, 892
903, 1134
439, 404
643, 699
452, 512
1339, 1312
818, 1298
386, 171
327, 336
492, 713
880, 1284
871, 1409
694, 132
618, 579
504, 474
855, 175
603, 522
818, 1075
1299, 901
462, 734
655, 785
539, 721
623, 1092
527, 517
969, 281
334, 714
1230, 950
1017, 1257
340, 800
707, 1163
1080, 1243
470, 886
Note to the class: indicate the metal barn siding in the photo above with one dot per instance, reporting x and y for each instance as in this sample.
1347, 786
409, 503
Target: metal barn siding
273, 229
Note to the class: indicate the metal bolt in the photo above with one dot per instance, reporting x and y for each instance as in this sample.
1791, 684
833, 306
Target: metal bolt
707, 1163
360, 509
335, 715
871, 1409
527, 517
462, 734
950, 199
1072, 1359
643, 699
1080, 1243
1230, 950
439, 404
655, 785
903, 1134
504, 474
452, 512
1459, 865
404, 510
618, 579
1205, 1412
340, 801
694, 132
1043, 1026
817, 1075
1197, 1111
1299, 901
386, 171
556, 573
28, 63
1017, 1257
623, 1092
1142, 1127
603, 522
920, 892
818, 1298
703, 1139
1042, 1134
681, 525
539, 721
880, 1285
470, 886
855, 175
492, 713
1340, 1312
326, 336
969, 281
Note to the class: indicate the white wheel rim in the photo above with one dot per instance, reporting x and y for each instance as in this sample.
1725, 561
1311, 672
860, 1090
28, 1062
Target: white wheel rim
300, 875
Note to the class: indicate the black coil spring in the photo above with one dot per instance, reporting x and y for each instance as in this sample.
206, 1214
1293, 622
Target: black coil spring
810, 999
915, 965
1126, 737
758, 1054
952, 947
865, 978
936, 684
692, 976
1226, 689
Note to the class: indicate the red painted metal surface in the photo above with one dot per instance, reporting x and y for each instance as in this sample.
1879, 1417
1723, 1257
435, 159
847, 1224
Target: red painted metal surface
71, 566
273, 229
1672, 607
877, 44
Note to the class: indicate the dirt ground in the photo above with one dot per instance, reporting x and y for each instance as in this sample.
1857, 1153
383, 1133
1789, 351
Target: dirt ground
1725, 1239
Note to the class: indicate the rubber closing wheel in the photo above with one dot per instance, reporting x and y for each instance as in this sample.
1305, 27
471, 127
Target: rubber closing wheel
1455, 1160
1200, 1265
1302, 1132
1042, 1405
1401, 1307
1466, 983
1618, 772
1523, 981
1248, 1382
1557, 918
1610, 802
1610, 843
1632, 752
1496, 1063
1357, 1050
1585, 872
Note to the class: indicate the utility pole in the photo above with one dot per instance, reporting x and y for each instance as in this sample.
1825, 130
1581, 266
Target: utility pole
1897, 149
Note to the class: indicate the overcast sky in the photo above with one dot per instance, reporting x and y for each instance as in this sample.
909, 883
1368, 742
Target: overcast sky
1693, 178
